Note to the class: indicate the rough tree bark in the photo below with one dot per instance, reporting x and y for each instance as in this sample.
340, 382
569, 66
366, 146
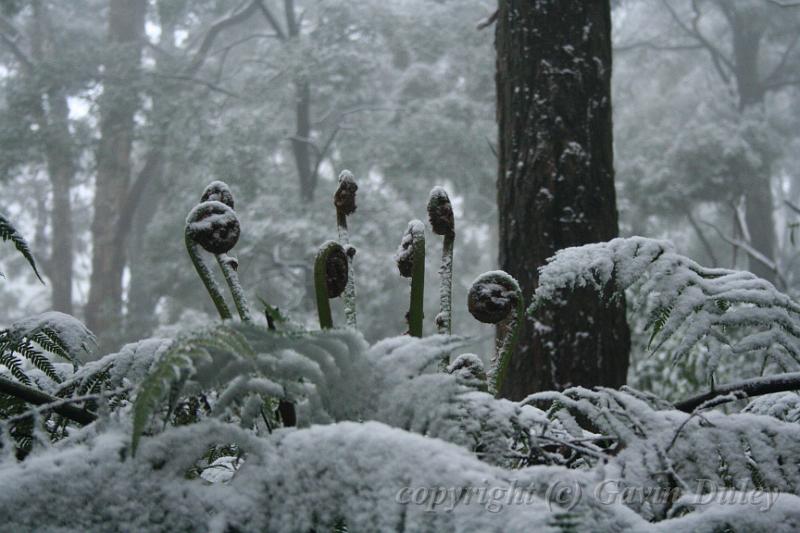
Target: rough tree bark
118, 105
556, 184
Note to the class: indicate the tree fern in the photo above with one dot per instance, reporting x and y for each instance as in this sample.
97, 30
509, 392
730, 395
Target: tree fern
176, 365
33, 337
9, 233
731, 313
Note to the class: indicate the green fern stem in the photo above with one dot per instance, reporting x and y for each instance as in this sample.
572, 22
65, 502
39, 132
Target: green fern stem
206, 277
324, 280
415, 314
495, 298
505, 348
444, 320
229, 265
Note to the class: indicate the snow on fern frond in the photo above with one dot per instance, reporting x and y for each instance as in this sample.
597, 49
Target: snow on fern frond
9, 233
58, 333
783, 406
654, 446
731, 313
32, 338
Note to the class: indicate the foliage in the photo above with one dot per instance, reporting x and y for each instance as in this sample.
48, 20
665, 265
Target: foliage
374, 422
9, 233
726, 313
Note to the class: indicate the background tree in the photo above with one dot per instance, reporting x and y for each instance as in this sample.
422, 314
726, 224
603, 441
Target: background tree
556, 184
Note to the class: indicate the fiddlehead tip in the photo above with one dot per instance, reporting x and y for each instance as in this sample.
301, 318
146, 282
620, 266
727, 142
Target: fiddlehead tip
404, 257
218, 191
440, 212
345, 197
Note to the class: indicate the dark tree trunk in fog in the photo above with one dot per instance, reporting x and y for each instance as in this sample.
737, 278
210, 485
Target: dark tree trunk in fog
556, 184
118, 105
755, 181
738, 64
301, 140
53, 122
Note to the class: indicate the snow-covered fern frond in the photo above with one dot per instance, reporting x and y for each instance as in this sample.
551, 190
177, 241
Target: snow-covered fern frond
34, 337
654, 445
9, 233
783, 406
730, 313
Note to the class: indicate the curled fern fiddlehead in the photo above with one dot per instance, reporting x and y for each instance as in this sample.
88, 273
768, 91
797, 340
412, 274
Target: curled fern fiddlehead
495, 298
330, 279
440, 214
410, 259
213, 225
345, 201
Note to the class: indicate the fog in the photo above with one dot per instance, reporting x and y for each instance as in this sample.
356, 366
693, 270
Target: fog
112, 124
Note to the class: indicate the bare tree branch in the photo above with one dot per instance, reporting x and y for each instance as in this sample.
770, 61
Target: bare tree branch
653, 46
717, 57
784, 4
216, 28
703, 240
23, 59
272, 20
488, 21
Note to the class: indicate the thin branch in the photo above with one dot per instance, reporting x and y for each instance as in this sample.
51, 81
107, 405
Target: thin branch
747, 388
750, 251
703, 240
660, 47
792, 206
784, 4
24, 60
37, 397
271, 19
488, 21
215, 29
776, 72
717, 57
208, 84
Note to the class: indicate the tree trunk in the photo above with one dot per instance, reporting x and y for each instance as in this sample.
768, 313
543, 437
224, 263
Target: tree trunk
755, 181
118, 104
61, 170
53, 121
556, 184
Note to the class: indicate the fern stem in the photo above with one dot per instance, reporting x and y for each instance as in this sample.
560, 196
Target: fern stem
345, 201
229, 265
415, 314
747, 388
207, 278
444, 320
37, 397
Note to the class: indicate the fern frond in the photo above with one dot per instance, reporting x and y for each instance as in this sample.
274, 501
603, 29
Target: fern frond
57, 333
9, 233
180, 362
38, 359
732, 313
10, 361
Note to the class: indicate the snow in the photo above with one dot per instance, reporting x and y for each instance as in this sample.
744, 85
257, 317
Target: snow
401, 447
